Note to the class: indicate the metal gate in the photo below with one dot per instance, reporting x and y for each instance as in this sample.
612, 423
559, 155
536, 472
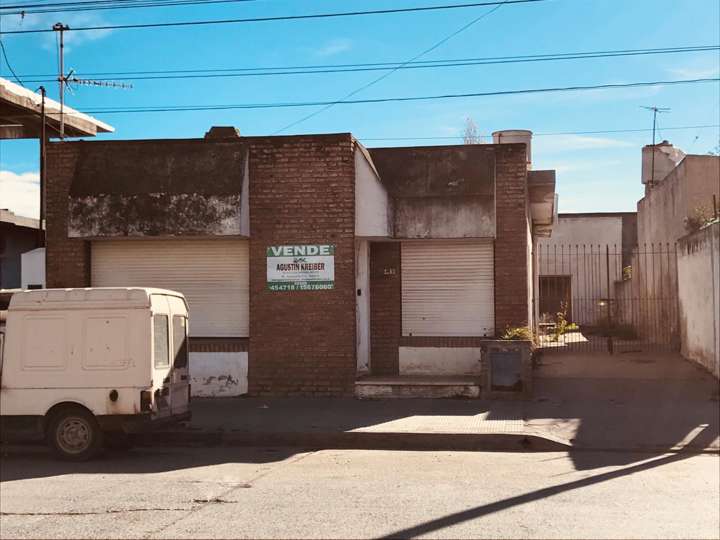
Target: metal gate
597, 298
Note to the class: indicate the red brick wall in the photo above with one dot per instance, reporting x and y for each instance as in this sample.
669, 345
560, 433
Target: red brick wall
302, 191
67, 260
511, 243
385, 307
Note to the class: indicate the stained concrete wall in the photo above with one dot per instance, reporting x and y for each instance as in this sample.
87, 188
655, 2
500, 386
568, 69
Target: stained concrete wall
665, 207
440, 192
698, 266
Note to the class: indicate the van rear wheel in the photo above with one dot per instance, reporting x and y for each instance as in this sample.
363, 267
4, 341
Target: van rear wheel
74, 434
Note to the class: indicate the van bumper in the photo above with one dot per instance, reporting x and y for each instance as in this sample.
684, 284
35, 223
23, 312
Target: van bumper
139, 423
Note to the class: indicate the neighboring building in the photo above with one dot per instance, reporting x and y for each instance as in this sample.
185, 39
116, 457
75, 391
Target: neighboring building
307, 260
574, 263
21, 118
18, 236
681, 193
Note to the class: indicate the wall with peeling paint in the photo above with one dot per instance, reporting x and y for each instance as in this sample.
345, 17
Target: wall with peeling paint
214, 374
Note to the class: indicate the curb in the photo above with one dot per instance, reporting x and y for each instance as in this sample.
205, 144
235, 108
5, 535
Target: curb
361, 440
366, 440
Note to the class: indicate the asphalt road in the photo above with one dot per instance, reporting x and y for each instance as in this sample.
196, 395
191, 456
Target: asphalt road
277, 493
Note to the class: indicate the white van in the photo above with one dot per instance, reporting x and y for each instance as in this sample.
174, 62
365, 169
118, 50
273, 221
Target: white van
82, 367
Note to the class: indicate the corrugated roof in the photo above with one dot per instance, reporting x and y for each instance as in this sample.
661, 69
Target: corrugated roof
20, 115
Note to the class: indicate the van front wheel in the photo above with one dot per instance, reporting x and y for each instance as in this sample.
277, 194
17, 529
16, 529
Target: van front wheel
74, 434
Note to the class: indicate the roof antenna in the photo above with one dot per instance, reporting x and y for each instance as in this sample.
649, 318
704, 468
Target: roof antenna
65, 80
655, 111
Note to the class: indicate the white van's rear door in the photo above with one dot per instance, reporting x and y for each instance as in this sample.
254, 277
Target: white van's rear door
180, 378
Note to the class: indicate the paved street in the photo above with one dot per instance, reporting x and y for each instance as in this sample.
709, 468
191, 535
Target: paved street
273, 493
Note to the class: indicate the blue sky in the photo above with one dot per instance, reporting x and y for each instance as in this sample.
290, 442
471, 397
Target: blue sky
595, 172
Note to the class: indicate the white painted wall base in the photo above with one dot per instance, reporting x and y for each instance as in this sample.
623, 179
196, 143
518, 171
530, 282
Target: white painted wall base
218, 374
440, 361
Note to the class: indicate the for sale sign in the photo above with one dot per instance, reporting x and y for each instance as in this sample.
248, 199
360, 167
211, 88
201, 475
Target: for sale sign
301, 268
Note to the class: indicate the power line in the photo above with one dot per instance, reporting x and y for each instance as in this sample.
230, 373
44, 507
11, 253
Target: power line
187, 108
540, 134
281, 17
64, 7
5, 56
385, 75
380, 66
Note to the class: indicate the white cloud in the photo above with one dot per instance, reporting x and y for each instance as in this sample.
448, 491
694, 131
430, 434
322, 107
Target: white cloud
47, 20
698, 72
20, 193
566, 143
333, 47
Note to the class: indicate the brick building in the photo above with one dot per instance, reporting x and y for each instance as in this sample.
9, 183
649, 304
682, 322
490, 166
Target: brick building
307, 261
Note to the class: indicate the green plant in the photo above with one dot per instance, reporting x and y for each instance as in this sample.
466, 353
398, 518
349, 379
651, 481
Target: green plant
518, 333
627, 273
561, 322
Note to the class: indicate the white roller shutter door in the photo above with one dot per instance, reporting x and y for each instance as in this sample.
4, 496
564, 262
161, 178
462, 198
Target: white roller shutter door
212, 274
448, 288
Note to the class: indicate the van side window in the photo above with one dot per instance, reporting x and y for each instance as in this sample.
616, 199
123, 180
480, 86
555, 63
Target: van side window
180, 341
161, 340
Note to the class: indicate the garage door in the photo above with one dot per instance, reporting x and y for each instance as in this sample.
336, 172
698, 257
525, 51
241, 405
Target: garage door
212, 274
448, 288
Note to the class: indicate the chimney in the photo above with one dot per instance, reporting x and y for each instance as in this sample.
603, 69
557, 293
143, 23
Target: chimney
508, 136
656, 167
223, 132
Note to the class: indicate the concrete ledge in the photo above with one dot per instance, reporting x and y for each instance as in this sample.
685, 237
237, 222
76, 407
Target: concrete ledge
417, 387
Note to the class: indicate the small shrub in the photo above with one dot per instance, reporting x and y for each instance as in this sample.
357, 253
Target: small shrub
561, 322
518, 333
700, 217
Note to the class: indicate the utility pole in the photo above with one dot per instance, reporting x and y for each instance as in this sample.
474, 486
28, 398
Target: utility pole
43, 145
655, 111
60, 27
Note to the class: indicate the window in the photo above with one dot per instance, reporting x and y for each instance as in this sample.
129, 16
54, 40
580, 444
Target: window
180, 340
161, 341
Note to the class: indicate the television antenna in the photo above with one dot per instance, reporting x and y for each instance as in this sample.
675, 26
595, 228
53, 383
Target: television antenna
655, 111
65, 80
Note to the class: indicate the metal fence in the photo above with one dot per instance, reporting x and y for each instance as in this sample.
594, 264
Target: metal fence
601, 298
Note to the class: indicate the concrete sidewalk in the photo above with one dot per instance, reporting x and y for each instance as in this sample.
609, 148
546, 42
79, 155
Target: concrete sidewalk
654, 403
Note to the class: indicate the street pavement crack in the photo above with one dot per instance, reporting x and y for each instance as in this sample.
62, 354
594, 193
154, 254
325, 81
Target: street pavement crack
99, 513
221, 496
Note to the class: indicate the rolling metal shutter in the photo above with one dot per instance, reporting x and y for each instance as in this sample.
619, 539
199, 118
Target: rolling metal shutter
212, 274
448, 288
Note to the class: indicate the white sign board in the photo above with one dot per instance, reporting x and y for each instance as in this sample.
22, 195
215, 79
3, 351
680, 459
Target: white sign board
301, 268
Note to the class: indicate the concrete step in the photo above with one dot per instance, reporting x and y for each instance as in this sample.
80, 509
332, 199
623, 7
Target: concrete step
417, 387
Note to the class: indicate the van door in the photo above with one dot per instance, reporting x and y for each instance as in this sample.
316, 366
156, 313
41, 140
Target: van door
179, 374
2, 346
162, 364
